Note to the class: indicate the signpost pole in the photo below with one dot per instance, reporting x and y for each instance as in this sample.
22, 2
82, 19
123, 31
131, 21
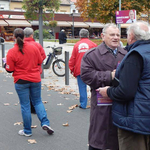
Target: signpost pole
119, 26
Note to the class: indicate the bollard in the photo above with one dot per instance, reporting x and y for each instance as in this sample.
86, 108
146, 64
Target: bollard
42, 74
3, 53
66, 68
2, 40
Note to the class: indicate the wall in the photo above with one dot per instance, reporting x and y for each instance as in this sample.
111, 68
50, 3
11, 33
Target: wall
15, 6
4, 5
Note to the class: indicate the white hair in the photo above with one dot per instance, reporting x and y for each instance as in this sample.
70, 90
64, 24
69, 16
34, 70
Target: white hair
107, 25
140, 30
28, 31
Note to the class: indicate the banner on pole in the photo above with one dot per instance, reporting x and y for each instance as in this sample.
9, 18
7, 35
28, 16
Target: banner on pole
125, 16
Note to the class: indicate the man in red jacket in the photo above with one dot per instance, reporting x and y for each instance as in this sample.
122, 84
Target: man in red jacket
75, 62
29, 33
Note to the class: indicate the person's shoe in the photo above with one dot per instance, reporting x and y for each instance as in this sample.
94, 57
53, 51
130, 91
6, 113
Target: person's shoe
21, 132
81, 107
48, 129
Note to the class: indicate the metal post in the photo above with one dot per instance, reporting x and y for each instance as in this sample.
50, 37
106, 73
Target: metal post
119, 26
66, 68
41, 34
3, 52
72, 25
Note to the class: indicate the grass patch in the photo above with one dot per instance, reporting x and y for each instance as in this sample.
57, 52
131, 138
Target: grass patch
97, 41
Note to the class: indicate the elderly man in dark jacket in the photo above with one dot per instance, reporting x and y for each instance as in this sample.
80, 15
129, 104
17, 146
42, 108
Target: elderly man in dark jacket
62, 37
97, 70
131, 98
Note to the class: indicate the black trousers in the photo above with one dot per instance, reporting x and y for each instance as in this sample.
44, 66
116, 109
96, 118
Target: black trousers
32, 107
92, 148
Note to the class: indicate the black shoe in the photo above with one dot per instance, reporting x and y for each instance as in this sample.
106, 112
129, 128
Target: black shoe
81, 107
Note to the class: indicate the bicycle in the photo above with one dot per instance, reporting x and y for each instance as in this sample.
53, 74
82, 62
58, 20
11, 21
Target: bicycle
58, 66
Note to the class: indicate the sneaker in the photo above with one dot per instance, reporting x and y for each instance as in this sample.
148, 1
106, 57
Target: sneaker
21, 132
48, 129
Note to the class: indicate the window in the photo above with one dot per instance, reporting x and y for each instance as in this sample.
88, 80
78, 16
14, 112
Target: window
1, 6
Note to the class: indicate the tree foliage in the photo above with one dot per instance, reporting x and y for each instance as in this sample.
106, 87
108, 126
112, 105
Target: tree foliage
32, 7
104, 10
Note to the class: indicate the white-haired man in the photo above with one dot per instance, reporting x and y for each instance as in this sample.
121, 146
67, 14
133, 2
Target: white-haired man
97, 70
62, 37
75, 62
29, 33
131, 97
131, 17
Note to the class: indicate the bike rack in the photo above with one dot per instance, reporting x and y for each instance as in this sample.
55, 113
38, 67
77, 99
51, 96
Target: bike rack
2, 40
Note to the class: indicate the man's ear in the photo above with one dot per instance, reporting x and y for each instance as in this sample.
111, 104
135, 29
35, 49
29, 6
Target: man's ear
132, 38
31, 35
102, 35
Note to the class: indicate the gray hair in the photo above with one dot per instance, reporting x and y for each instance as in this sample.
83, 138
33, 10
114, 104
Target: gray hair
107, 25
84, 33
28, 31
140, 30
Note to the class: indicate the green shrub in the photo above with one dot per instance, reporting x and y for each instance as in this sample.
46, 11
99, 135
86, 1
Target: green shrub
46, 34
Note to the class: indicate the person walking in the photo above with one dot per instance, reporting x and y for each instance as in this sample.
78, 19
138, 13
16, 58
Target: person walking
29, 34
97, 70
75, 63
23, 60
131, 97
62, 37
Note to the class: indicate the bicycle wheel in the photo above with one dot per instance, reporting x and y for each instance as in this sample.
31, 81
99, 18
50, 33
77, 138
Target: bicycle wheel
59, 67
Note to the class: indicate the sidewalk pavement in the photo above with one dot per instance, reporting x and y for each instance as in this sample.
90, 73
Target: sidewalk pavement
70, 126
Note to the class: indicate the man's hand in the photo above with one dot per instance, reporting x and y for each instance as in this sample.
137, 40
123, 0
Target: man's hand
113, 74
4, 60
103, 91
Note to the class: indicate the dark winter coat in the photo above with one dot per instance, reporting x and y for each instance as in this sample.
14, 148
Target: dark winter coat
62, 37
96, 67
134, 114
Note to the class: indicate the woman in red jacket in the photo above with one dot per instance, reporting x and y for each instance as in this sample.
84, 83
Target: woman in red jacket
24, 60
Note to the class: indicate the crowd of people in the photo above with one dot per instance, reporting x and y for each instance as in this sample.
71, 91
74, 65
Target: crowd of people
118, 77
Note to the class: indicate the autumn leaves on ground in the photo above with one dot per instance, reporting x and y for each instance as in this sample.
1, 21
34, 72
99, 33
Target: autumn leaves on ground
51, 85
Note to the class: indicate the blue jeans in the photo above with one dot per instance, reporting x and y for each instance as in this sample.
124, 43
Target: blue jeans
25, 93
82, 91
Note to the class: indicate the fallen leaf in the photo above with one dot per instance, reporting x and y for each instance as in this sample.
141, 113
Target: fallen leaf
69, 111
42, 88
49, 95
45, 102
73, 107
9, 92
4, 80
32, 141
66, 124
18, 123
35, 126
60, 104
88, 106
15, 104
6, 104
